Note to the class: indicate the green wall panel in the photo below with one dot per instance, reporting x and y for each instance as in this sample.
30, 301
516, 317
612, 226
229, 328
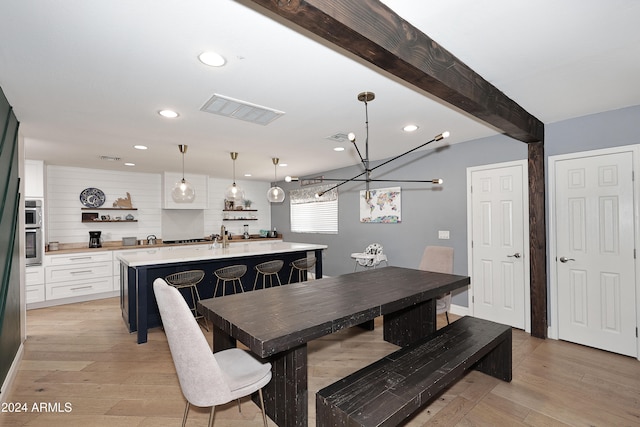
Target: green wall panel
9, 247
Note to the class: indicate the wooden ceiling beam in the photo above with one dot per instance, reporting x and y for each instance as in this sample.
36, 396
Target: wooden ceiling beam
375, 33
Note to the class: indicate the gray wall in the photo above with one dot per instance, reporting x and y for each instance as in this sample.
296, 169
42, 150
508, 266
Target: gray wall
426, 208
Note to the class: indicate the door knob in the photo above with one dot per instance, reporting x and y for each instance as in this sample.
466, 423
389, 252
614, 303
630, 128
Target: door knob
516, 255
565, 259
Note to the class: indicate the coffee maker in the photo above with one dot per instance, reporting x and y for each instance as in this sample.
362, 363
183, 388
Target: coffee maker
94, 239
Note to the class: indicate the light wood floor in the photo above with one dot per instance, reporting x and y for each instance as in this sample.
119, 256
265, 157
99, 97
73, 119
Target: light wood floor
81, 354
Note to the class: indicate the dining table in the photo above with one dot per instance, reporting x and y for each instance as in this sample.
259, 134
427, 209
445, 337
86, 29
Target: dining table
277, 323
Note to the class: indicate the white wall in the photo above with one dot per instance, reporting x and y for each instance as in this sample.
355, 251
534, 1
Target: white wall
63, 208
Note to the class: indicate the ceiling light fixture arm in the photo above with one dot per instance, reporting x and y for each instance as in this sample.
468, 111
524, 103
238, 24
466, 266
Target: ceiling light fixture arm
435, 139
431, 181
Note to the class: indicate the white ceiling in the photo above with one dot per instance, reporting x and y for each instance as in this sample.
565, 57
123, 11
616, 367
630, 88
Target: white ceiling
87, 78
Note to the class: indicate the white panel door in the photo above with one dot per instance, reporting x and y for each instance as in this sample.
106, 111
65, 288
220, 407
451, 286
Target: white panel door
595, 252
498, 245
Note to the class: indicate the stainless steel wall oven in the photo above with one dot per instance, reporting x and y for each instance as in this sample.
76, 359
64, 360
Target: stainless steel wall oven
34, 242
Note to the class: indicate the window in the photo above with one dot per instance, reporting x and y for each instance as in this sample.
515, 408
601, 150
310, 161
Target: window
312, 215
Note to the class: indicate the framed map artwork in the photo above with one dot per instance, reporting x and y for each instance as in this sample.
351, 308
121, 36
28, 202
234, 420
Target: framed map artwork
383, 207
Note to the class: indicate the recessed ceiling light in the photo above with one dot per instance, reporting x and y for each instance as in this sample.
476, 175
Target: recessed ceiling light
282, 165
129, 164
212, 59
338, 149
170, 114
247, 174
140, 147
410, 128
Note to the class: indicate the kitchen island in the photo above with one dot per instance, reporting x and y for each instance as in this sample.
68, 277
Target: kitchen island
138, 270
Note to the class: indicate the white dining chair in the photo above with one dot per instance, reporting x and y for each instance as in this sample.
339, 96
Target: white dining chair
440, 260
207, 379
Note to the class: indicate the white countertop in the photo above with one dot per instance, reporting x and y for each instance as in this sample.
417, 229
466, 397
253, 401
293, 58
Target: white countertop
203, 253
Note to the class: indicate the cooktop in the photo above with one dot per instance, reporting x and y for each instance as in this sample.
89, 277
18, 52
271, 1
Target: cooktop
173, 242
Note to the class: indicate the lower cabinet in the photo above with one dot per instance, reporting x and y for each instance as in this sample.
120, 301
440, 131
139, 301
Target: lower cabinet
34, 288
77, 275
81, 287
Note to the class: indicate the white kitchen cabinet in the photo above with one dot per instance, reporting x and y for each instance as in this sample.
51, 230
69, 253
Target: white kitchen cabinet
200, 184
78, 258
34, 289
79, 274
76, 288
34, 179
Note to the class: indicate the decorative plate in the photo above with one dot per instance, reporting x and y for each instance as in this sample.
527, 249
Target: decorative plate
92, 197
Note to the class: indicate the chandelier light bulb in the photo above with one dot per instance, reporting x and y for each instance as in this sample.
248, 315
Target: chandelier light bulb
442, 136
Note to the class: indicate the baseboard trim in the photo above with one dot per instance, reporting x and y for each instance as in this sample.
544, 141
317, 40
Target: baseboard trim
459, 310
11, 375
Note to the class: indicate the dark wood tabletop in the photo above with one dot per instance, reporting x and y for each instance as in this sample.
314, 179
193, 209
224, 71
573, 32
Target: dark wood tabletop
280, 318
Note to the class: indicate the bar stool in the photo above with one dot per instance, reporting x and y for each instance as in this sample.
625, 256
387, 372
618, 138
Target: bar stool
189, 279
302, 266
232, 274
268, 269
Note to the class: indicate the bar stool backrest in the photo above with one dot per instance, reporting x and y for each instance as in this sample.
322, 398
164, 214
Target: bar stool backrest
185, 278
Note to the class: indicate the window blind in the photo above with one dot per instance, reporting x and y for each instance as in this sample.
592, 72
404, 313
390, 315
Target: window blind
312, 215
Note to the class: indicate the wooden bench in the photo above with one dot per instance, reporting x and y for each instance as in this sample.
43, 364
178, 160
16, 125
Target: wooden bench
390, 390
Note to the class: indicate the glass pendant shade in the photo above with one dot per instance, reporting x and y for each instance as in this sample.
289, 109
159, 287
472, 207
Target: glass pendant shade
183, 191
234, 193
275, 194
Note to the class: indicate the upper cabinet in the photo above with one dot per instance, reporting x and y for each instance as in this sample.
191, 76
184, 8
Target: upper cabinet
200, 184
34, 179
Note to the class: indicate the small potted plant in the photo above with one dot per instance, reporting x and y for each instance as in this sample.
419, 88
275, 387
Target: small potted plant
247, 203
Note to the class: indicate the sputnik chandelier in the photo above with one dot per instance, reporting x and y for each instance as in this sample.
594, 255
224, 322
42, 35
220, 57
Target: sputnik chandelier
365, 97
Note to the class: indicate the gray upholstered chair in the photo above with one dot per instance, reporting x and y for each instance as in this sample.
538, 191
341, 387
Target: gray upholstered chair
207, 379
440, 260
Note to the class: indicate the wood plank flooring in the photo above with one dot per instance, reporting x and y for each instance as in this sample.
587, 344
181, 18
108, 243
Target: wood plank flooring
81, 356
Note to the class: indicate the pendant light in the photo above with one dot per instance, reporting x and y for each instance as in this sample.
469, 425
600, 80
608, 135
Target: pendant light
275, 194
183, 191
234, 193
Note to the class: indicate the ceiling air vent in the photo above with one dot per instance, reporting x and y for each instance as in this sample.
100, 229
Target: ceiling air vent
338, 137
242, 110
